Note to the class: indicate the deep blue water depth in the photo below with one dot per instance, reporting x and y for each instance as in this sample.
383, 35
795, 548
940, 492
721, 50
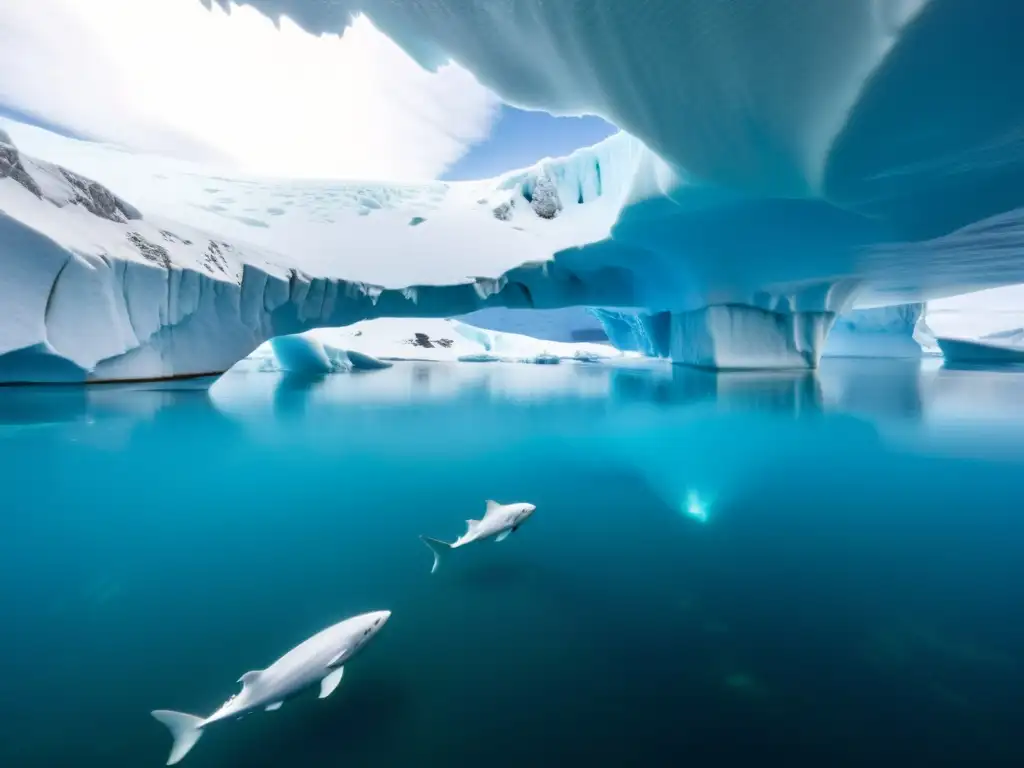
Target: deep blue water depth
788, 569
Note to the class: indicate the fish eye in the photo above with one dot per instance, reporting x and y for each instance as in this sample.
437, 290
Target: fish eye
366, 632
376, 622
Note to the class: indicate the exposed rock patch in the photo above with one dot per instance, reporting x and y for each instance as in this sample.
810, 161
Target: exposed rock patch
12, 167
544, 198
98, 200
152, 252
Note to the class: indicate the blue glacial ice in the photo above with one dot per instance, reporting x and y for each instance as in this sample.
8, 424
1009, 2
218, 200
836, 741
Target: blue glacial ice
307, 355
780, 165
984, 352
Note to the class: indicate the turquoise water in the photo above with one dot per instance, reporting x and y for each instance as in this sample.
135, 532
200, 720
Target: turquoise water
793, 568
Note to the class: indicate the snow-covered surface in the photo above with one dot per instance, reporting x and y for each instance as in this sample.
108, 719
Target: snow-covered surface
124, 293
363, 231
326, 350
776, 159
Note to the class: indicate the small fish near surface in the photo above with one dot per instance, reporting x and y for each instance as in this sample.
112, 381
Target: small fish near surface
498, 522
319, 659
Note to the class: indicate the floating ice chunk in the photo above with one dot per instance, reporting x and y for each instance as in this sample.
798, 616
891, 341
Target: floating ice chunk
304, 354
480, 357
301, 354
360, 361
980, 352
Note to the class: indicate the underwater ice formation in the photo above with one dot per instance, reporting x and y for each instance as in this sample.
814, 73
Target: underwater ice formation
781, 164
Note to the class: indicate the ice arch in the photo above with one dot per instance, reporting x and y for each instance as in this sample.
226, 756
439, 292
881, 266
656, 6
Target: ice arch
781, 164
791, 157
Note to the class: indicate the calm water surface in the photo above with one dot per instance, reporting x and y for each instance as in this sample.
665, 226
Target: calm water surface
810, 570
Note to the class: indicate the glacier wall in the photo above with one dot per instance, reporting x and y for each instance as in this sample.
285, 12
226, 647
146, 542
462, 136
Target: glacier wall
722, 337
898, 331
649, 335
97, 291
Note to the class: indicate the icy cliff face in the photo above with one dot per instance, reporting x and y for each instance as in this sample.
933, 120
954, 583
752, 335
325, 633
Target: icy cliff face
99, 290
94, 290
722, 337
710, 341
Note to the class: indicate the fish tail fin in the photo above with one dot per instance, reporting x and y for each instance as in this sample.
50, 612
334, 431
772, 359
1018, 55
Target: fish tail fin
184, 730
439, 548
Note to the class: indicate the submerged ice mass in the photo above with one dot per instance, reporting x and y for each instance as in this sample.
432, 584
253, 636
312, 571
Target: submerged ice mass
781, 167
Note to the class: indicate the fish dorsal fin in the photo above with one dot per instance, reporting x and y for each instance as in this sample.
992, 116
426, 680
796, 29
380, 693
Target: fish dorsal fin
471, 524
491, 506
249, 677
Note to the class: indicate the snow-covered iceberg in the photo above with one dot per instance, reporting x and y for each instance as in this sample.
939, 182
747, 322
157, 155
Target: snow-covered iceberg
377, 343
780, 165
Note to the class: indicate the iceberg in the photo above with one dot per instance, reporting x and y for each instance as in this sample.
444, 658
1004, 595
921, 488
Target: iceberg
779, 166
373, 344
309, 356
987, 352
